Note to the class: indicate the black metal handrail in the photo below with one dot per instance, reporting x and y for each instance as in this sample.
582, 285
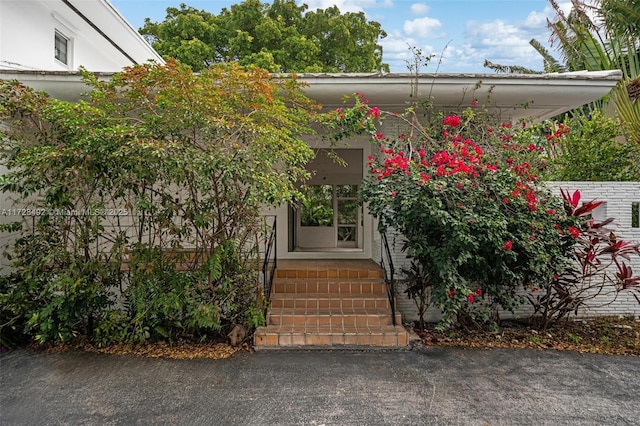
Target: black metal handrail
270, 248
388, 275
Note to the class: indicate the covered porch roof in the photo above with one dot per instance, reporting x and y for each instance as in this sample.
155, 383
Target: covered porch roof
513, 96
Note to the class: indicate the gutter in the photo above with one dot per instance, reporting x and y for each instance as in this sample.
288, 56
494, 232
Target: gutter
99, 31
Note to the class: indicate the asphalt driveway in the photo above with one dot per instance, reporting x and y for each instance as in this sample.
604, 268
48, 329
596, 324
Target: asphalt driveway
424, 386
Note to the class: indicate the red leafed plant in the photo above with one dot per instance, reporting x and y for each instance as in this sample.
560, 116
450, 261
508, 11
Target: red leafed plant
600, 270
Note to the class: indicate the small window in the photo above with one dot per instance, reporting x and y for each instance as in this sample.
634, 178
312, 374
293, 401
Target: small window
635, 215
61, 48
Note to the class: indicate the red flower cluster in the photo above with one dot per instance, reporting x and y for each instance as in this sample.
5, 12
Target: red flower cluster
574, 232
558, 134
451, 121
529, 192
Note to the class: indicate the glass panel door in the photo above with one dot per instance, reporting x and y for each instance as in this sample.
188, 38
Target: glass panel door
329, 218
347, 215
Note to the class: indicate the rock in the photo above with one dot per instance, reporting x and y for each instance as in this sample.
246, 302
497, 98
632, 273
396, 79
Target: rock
237, 335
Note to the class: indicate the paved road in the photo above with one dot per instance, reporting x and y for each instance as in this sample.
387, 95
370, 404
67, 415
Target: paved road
424, 386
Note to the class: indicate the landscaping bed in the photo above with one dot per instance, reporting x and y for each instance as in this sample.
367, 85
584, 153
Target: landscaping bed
605, 335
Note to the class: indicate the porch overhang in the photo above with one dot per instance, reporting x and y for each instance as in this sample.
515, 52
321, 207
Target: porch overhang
514, 96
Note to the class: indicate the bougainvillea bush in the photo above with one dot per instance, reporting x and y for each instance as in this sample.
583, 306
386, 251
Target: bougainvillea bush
471, 207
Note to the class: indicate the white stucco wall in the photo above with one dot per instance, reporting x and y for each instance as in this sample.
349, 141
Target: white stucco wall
27, 29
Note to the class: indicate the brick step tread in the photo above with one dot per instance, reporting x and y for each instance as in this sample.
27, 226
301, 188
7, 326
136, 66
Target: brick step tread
332, 318
330, 280
328, 296
331, 273
330, 287
297, 329
329, 311
336, 304
388, 336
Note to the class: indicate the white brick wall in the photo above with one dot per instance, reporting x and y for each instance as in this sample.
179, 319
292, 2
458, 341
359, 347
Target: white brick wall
618, 197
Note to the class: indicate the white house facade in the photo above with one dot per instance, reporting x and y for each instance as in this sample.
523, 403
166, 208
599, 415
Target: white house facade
62, 35
67, 34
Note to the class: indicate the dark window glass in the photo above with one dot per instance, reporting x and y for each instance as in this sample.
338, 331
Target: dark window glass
61, 47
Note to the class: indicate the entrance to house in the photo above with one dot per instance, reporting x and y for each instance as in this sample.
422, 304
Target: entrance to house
330, 217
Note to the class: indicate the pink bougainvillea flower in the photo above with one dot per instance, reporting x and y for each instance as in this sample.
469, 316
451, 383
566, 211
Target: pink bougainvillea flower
451, 293
478, 291
474, 103
508, 245
375, 112
470, 298
452, 121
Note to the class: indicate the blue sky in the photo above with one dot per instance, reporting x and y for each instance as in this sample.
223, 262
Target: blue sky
461, 33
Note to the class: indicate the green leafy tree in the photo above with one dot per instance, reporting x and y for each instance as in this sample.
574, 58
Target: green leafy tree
588, 149
278, 37
149, 192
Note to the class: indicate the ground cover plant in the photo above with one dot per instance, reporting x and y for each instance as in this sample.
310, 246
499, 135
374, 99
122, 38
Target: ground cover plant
141, 204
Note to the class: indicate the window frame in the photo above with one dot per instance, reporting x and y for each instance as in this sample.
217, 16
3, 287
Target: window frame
68, 48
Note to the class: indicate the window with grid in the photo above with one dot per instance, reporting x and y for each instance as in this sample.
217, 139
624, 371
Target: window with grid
61, 48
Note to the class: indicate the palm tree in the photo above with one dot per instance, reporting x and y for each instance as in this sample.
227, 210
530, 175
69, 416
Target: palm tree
596, 36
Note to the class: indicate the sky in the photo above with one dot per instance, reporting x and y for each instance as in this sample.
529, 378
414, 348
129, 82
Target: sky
460, 33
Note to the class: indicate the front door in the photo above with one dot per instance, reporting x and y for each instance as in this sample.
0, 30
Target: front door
329, 218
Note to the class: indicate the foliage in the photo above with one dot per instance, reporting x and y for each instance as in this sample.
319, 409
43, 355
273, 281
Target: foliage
594, 36
317, 205
589, 149
278, 37
479, 226
418, 288
598, 270
147, 195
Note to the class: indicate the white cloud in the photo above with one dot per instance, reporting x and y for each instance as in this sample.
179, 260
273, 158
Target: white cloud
423, 27
419, 9
536, 19
502, 43
347, 5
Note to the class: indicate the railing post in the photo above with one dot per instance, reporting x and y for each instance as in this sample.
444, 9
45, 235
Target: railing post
270, 246
389, 279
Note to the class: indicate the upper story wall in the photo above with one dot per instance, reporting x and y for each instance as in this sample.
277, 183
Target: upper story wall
96, 36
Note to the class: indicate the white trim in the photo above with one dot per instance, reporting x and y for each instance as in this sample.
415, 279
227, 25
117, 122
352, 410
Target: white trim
68, 46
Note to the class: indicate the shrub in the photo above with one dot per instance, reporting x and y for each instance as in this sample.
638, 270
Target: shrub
480, 227
149, 191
